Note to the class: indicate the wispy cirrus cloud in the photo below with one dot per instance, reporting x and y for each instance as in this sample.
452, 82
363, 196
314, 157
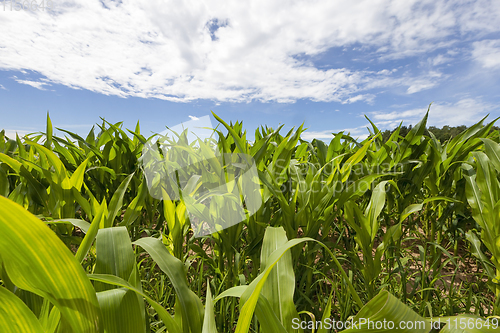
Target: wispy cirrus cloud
487, 53
34, 84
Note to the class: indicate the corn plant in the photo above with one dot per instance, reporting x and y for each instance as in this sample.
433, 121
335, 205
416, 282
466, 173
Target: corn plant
397, 228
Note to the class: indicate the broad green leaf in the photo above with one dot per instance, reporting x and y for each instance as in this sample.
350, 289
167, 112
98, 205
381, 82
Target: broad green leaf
493, 151
417, 207
15, 165
55, 162
268, 320
478, 252
114, 254
358, 187
36, 260
121, 311
15, 316
280, 284
232, 292
252, 293
410, 210
83, 225
386, 308
50, 317
191, 306
4, 183
76, 179
162, 313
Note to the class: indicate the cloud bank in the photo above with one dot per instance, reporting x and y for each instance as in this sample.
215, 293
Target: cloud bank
238, 52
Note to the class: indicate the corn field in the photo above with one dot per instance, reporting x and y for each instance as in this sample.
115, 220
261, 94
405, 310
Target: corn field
402, 230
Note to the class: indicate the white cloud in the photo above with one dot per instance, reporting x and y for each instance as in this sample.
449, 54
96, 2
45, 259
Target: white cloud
34, 84
2, 87
11, 133
425, 82
440, 59
310, 135
358, 133
487, 53
182, 51
466, 111
194, 118
419, 86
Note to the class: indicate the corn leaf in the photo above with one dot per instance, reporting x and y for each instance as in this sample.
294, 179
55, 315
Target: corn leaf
37, 261
15, 316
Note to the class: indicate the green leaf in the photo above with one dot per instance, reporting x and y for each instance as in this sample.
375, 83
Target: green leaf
280, 284
239, 141
116, 202
190, 304
36, 260
327, 313
209, 321
252, 293
83, 225
386, 308
162, 313
48, 142
86, 244
493, 151
15, 316
268, 320
60, 170
121, 311
358, 187
76, 179
478, 253
114, 254
354, 159
134, 209
410, 210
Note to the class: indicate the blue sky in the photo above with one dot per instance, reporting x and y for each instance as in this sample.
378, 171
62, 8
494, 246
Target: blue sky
324, 63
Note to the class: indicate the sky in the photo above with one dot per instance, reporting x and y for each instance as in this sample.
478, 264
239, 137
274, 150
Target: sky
325, 64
